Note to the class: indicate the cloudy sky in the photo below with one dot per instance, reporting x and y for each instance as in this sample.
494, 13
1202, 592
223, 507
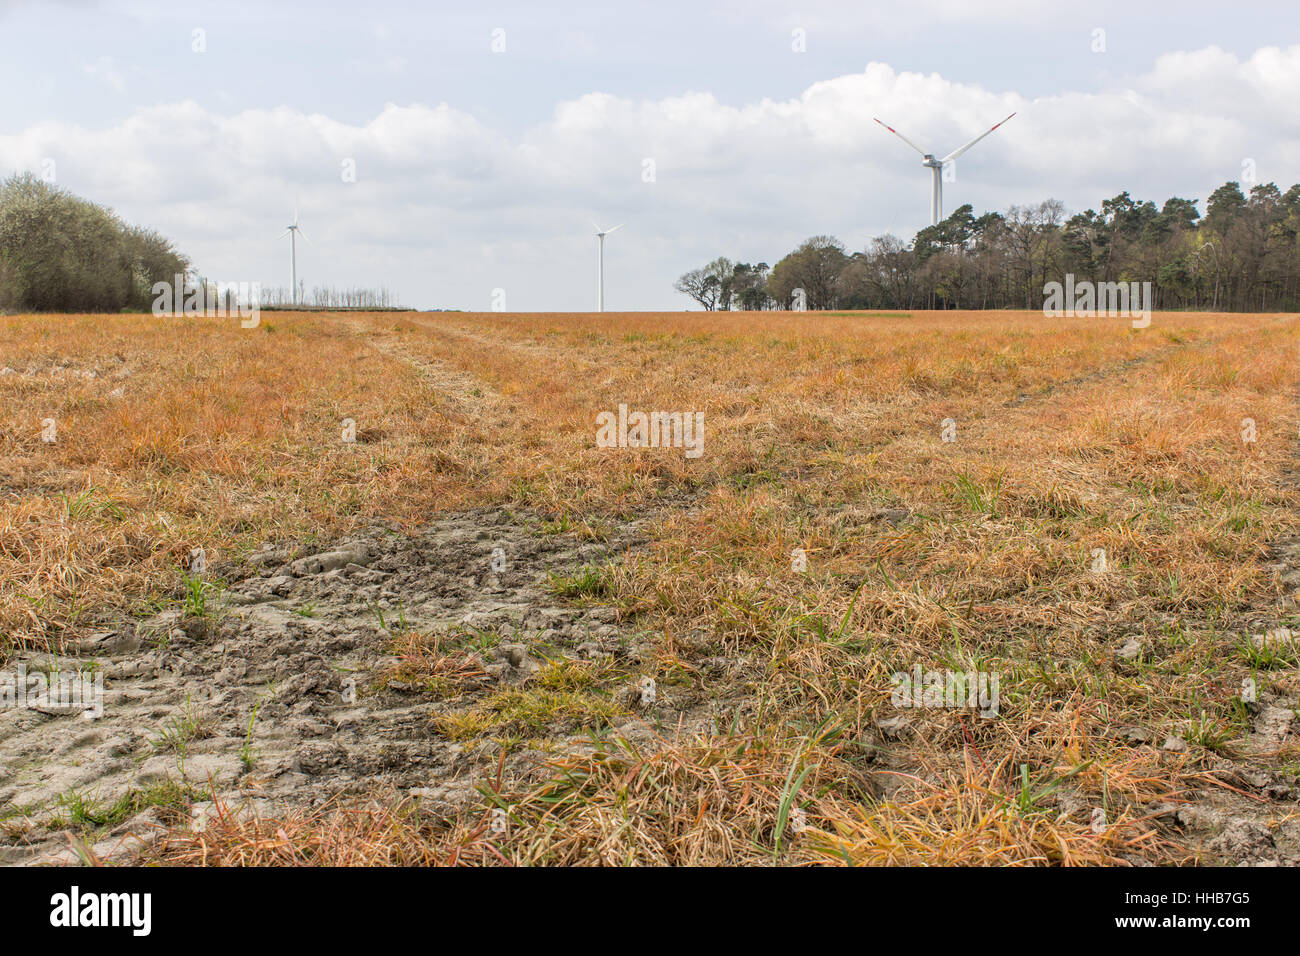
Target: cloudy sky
485, 137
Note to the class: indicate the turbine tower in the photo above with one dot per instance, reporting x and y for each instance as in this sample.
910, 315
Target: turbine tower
600, 265
293, 231
936, 167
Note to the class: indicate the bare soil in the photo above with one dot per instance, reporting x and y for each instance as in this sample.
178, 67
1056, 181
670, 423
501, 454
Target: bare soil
298, 654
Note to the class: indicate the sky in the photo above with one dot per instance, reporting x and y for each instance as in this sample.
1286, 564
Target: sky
459, 154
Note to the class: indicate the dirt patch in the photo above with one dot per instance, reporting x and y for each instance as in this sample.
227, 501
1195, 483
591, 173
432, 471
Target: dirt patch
1248, 814
387, 661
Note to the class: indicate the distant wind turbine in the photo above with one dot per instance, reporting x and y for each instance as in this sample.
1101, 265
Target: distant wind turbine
293, 231
936, 167
600, 265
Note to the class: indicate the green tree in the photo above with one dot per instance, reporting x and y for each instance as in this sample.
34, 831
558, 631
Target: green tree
61, 253
815, 268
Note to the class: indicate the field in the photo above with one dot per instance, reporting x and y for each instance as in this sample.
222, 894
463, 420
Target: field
472, 635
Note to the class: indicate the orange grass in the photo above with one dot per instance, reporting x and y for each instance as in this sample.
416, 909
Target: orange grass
1071, 435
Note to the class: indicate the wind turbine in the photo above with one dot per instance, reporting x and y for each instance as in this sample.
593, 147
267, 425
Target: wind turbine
292, 231
600, 265
936, 167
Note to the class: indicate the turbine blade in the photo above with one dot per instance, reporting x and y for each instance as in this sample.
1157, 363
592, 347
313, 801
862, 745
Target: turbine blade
902, 137
957, 152
619, 226
283, 234
304, 235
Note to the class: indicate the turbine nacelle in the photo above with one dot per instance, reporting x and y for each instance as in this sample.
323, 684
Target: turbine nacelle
293, 231
936, 166
600, 263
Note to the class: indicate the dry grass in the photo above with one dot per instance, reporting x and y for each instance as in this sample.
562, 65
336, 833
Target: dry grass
822, 433
365, 833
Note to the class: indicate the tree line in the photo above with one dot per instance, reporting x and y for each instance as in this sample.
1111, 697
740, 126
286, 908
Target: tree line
1243, 255
328, 297
61, 253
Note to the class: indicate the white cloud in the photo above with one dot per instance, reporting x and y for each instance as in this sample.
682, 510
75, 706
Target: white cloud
446, 208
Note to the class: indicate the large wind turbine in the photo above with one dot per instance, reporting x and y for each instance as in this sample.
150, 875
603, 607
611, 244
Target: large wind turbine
936, 167
600, 265
292, 231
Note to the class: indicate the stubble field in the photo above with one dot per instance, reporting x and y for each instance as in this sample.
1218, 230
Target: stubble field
473, 636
